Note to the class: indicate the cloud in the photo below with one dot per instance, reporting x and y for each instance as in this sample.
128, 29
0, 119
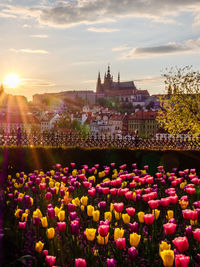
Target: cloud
104, 30
36, 83
189, 46
39, 36
120, 48
28, 50
71, 13
149, 79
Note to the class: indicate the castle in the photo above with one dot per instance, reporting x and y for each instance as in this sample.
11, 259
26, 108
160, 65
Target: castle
124, 91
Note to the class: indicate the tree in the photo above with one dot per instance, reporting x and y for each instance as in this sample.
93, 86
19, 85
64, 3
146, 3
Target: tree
180, 107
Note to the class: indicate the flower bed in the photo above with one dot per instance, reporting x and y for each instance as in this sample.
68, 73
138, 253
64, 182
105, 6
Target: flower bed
104, 216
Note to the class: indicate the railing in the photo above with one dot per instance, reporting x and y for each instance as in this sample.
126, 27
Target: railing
76, 140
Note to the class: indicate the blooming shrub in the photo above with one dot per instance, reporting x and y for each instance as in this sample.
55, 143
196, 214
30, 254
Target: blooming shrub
106, 216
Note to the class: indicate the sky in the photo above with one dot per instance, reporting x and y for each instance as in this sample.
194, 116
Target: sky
56, 46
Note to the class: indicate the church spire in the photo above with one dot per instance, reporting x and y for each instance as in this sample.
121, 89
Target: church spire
99, 85
118, 77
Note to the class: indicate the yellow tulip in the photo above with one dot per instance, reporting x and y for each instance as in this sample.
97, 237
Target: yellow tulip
82, 208
76, 201
51, 184
117, 215
167, 257
61, 215
39, 246
118, 233
39, 213
96, 215
44, 222
91, 178
134, 239
90, 233
108, 216
111, 207
101, 240
141, 216
74, 172
183, 204
193, 222
96, 252
84, 200
57, 210
24, 217
52, 172
126, 218
17, 213
50, 233
164, 246
90, 210
156, 214
31, 201
170, 214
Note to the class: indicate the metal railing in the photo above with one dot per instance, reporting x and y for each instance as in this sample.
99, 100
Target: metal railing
76, 140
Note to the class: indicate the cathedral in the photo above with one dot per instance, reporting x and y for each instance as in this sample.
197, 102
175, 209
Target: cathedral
124, 91
109, 85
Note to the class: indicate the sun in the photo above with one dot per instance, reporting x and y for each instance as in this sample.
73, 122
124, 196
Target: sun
11, 80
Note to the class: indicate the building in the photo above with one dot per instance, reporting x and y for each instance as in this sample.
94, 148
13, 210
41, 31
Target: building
143, 122
125, 92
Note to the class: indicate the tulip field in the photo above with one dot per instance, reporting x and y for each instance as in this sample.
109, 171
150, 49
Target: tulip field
104, 216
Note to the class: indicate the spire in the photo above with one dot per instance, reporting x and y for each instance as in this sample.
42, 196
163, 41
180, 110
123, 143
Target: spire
99, 85
108, 69
118, 77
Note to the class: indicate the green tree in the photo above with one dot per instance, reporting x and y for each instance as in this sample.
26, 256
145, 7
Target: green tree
180, 106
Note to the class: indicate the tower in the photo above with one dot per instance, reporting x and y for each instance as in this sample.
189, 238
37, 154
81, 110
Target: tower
99, 85
108, 80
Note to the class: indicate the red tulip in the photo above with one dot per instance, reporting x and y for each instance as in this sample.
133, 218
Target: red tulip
22, 225
181, 260
119, 207
113, 191
105, 190
148, 218
165, 201
92, 191
181, 243
121, 243
103, 230
196, 234
169, 228
153, 204
130, 211
61, 226
50, 260
129, 195
80, 262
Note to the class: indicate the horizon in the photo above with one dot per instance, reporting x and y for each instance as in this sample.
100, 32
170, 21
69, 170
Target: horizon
56, 46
